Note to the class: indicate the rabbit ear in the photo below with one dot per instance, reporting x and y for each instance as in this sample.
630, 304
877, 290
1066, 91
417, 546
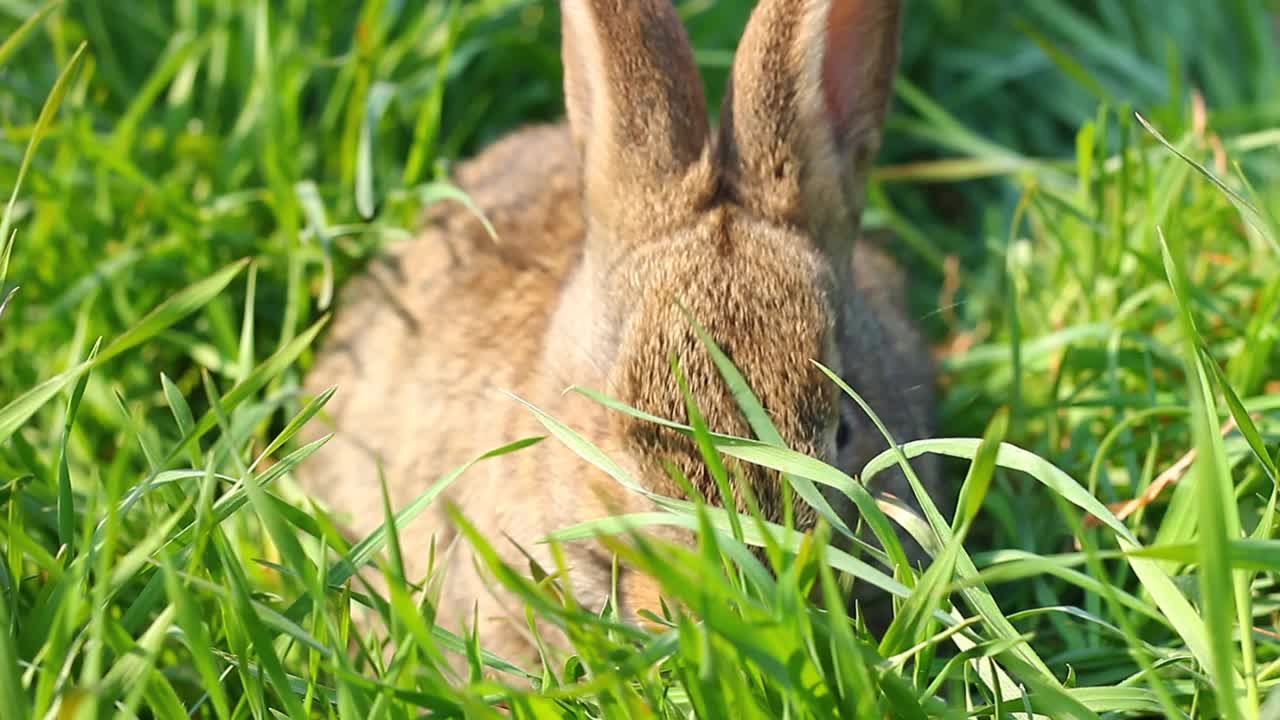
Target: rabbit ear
810, 87
637, 113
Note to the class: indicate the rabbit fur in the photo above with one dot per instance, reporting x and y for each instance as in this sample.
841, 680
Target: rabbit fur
607, 226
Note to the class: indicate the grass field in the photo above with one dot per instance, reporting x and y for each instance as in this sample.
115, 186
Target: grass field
184, 184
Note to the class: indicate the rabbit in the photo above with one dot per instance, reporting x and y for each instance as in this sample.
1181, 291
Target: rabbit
607, 228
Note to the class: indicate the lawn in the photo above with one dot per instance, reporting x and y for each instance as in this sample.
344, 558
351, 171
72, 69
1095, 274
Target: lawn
1085, 196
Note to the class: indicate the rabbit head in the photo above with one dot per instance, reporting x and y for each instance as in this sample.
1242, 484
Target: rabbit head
749, 227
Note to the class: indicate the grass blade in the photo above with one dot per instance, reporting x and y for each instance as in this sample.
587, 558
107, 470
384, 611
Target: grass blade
1219, 522
18, 411
47, 114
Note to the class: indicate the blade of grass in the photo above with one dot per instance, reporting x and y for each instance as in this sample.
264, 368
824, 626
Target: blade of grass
364, 551
18, 411
1252, 215
19, 36
1182, 617
45, 119
910, 623
12, 694
66, 499
196, 637
1219, 521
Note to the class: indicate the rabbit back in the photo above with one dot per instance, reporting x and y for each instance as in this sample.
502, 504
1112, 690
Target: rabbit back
422, 347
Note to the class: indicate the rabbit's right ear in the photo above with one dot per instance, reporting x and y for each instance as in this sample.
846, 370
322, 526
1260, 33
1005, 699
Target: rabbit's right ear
637, 113
810, 87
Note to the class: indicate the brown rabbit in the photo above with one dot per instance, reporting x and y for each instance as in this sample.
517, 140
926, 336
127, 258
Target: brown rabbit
604, 229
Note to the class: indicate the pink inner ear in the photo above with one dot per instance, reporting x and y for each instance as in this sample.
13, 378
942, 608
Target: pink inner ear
855, 40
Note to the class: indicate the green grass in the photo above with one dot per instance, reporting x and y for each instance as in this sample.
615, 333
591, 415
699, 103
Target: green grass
184, 184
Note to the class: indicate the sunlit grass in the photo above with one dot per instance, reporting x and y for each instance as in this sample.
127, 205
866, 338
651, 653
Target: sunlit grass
185, 184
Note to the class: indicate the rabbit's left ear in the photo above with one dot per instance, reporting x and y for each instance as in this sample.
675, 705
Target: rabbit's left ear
810, 87
637, 113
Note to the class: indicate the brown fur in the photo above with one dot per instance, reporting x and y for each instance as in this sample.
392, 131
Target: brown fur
603, 227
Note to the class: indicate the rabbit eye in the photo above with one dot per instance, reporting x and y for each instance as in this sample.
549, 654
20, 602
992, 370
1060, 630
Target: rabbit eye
843, 433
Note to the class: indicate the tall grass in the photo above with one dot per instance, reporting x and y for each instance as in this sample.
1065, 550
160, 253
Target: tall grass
186, 183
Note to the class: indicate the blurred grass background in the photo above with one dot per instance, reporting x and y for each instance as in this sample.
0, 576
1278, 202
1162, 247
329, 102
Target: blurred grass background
307, 135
